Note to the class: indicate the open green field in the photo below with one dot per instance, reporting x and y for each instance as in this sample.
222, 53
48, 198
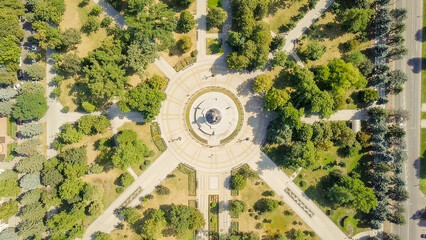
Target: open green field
282, 219
423, 160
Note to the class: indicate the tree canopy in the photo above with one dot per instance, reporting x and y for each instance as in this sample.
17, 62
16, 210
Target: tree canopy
29, 107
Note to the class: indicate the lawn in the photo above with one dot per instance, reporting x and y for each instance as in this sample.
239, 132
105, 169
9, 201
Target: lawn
177, 183
214, 46
332, 37
283, 15
307, 180
423, 115
74, 17
174, 55
423, 160
281, 223
213, 217
11, 127
144, 133
214, 3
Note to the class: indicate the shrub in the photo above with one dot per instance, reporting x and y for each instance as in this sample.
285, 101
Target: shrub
88, 107
162, 190
92, 24
31, 130
106, 22
36, 72
119, 189
96, 168
186, 22
96, 10
184, 43
125, 180
314, 50
265, 205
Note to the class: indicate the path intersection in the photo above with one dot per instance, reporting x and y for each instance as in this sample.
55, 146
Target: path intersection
214, 163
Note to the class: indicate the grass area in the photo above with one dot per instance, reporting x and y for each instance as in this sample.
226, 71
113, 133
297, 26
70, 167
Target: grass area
214, 3
332, 37
424, 55
106, 181
75, 17
177, 183
423, 115
280, 222
214, 46
11, 127
213, 217
308, 180
10, 155
174, 55
423, 160
192, 178
144, 133
283, 15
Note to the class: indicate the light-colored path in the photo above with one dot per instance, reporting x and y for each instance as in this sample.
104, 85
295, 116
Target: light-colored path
278, 181
201, 17
423, 123
342, 115
214, 184
188, 149
147, 181
424, 107
305, 23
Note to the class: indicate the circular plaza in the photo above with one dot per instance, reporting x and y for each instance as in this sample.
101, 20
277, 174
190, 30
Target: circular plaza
211, 120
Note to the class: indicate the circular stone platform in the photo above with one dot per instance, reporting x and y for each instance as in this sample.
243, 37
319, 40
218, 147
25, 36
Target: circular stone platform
214, 116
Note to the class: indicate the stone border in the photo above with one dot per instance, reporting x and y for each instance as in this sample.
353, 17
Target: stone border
227, 93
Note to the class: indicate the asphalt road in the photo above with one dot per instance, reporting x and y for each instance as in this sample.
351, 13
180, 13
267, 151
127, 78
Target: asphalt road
411, 101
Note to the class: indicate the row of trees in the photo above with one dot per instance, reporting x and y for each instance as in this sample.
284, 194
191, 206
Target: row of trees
10, 36
183, 220
385, 174
250, 38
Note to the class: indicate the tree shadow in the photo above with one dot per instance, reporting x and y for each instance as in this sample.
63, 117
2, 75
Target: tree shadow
416, 64
419, 35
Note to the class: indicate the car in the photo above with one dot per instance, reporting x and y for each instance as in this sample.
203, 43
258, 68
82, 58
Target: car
34, 48
422, 235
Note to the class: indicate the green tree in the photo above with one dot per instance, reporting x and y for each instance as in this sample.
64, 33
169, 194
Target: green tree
186, 22
344, 75
71, 37
70, 64
69, 134
88, 107
7, 93
236, 207
238, 182
125, 179
265, 205
10, 52
47, 36
314, 50
8, 209
280, 59
263, 83
130, 151
93, 193
131, 215
9, 233
95, 208
9, 188
102, 236
184, 44
185, 3
33, 212
29, 87
70, 188
238, 62
30, 164
6, 108
184, 219
153, 227
96, 10
301, 154
8, 76
51, 177
49, 11
29, 107
356, 20
9, 24
91, 25
31, 228
30, 181
28, 147
275, 98
157, 82
145, 100
31, 196
216, 16
36, 72
369, 95
91, 125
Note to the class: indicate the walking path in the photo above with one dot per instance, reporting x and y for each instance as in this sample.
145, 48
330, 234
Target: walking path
342, 115
147, 181
213, 164
279, 182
